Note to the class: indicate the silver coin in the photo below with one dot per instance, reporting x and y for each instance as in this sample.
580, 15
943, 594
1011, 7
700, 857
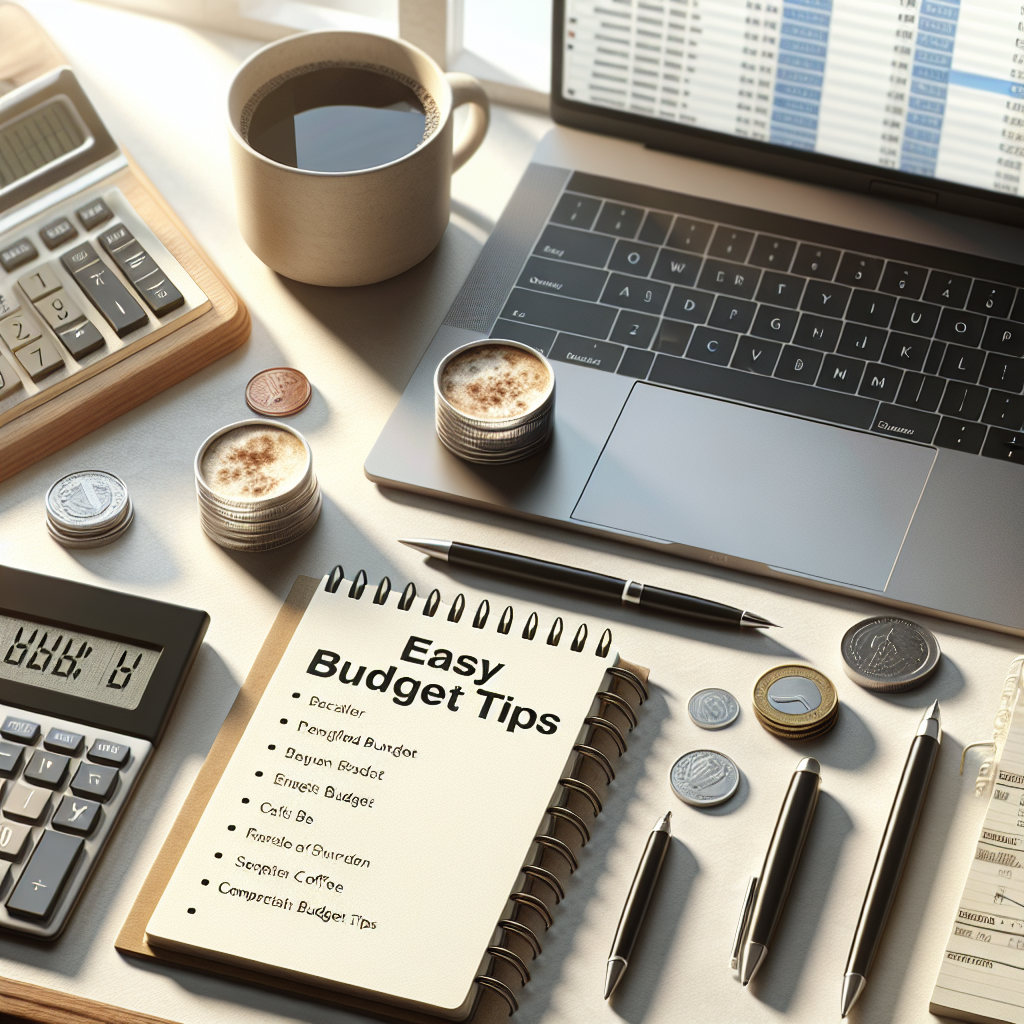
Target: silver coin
794, 695
889, 654
713, 708
70, 539
704, 778
87, 499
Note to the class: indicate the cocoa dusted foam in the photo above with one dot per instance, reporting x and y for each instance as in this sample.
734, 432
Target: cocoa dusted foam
495, 382
253, 463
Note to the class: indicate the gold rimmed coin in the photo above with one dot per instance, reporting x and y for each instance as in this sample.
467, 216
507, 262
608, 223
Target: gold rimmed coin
279, 391
796, 702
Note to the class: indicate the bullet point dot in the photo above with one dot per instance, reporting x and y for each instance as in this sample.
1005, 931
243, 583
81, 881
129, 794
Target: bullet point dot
284, 721
245, 799
272, 747
259, 775
206, 881
191, 910
231, 828
218, 855
295, 695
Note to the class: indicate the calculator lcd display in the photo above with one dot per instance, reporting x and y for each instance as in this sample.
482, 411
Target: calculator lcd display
74, 662
37, 139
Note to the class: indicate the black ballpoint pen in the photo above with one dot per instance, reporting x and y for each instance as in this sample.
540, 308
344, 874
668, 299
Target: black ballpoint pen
892, 854
596, 584
639, 897
771, 888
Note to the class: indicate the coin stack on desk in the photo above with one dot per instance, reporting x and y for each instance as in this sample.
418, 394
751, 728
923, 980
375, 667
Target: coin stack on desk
256, 486
88, 509
796, 702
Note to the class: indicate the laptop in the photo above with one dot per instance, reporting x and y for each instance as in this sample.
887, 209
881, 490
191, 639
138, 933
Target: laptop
774, 252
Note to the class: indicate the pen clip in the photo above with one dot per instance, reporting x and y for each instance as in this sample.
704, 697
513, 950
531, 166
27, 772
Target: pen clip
744, 921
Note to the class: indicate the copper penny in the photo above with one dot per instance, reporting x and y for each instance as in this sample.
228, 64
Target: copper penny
279, 391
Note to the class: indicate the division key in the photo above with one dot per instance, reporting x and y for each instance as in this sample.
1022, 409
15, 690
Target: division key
45, 876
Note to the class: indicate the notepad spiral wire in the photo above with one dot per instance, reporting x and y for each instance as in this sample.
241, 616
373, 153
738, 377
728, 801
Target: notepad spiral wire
591, 767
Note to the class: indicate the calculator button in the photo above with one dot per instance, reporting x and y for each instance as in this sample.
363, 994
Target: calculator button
45, 769
40, 359
95, 780
93, 214
9, 379
26, 803
109, 752
60, 741
45, 876
113, 238
17, 253
58, 232
77, 816
20, 730
161, 296
10, 759
141, 269
39, 283
9, 301
105, 291
82, 338
59, 310
12, 839
19, 330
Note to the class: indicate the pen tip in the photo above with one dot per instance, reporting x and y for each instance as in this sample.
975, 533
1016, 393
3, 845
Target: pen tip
753, 955
752, 621
616, 968
853, 985
664, 821
430, 548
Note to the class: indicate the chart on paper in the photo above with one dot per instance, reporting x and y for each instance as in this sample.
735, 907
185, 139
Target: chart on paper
932, 88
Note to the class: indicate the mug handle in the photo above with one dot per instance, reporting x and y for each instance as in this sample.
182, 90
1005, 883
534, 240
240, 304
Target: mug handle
466, 89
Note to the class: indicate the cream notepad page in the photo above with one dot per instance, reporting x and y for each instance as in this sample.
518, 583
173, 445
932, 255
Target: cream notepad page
982, 973
371, 823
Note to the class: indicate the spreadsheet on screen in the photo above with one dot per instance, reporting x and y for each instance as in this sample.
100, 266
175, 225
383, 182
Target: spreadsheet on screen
934, 89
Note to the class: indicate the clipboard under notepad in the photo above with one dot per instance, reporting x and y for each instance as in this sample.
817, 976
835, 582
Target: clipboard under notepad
420, 762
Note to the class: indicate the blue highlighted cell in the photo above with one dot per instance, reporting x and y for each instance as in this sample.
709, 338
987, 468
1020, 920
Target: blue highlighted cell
930, 9
803, 46
923, 88
920, 149
921, 134
941, 44
798, 77
794, 60
799, 92
930, 73
940, 28
924, 120
933, 106
985, 83
938, 60
790, 13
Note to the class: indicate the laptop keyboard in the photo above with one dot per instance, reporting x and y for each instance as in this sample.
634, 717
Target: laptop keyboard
866, 332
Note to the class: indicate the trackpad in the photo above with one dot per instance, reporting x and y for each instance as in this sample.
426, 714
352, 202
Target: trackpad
795, 495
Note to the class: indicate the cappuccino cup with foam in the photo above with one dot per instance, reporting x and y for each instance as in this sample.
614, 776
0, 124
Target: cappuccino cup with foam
494, 401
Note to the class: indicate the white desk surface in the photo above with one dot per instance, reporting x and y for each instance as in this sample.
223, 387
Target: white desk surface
160, 87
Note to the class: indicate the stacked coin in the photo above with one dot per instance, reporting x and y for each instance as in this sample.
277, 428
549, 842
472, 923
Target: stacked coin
889, 654
256, 486
88, 508
494, 401
795, 702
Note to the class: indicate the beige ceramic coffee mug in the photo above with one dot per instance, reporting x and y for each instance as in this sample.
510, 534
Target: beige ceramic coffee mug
350, 227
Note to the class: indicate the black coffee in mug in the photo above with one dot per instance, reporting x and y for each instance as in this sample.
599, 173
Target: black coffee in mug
340, 118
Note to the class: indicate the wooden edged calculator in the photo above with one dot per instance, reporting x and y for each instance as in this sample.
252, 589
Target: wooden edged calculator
88, 680
105, 300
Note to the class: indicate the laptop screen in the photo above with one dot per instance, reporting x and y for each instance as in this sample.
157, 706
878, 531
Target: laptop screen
932, 89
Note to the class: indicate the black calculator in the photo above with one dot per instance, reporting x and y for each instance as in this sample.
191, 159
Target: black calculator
88, 680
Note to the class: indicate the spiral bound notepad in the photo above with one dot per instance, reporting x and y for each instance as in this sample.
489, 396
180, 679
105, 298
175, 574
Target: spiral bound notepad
402, 804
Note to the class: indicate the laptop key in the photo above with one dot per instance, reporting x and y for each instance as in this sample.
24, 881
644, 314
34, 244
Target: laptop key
562, 278
901, 279
756, 355
772, 253
775, 323
690, 235
1004, 336
635, 293
909, 424
798, 364
677, 267
560, 313
539, 338
880, 382
731, 243
816, 261
655, 227
767, 392
690, 305
828, 299
862, 342
616, 219
1003, 410
558, 243
781, 289
633, 258
947, 290
840, 373
599, 355
870, 308
964, 401
961, 363
710, 345
991, 299
818, 332
904, 351
960, 435
636, 329
1004, 444
635, 363
960, 327
673, 337
1017, 313
729, 278
732, 314
1003, 372
920, 391
915, 317
576, 211
859, 271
